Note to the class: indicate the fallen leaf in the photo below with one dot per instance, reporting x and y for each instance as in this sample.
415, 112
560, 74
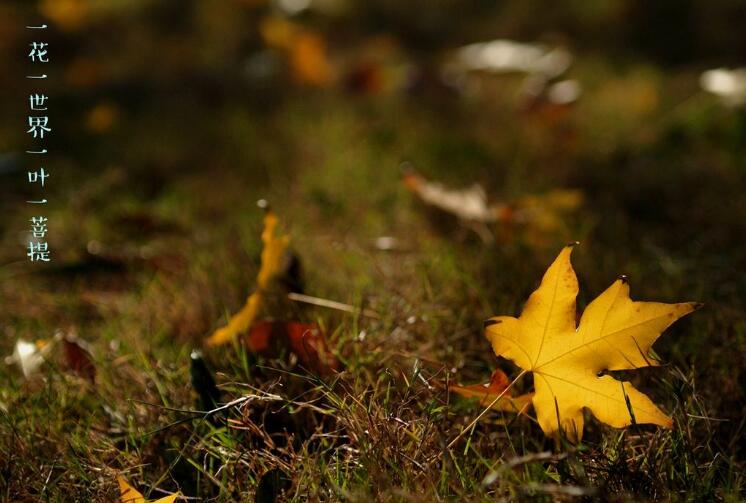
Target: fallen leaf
614, 333
78, 357
128, 494
305, 340
272, 259
29, 356
467, 204
304, 49
309, 60
488, 392
540, 212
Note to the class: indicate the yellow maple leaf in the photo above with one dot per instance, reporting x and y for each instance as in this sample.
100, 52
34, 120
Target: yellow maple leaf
614, 333
273, 253
128, 494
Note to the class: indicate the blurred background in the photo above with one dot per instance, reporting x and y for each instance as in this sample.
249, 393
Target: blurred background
571, 93
618, 120
437, 151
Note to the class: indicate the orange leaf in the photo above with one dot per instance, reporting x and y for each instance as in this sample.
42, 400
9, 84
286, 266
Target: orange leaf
489, 391
309, 60
305, 50
78, 358
305, 340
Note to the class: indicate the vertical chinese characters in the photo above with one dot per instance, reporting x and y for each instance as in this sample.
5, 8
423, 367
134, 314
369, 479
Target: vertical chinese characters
38, 129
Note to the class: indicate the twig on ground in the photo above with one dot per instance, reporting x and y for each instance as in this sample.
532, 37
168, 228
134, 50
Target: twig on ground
492, 475
332, 304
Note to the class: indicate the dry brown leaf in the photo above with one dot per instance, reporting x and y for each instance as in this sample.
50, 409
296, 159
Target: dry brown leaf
305, 340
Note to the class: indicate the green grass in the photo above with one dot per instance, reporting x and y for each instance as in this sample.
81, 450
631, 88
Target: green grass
171, 206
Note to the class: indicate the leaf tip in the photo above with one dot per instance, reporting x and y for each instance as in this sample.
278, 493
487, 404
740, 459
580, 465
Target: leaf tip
572, 244
666, 422
624, 279
490, 322
263, 204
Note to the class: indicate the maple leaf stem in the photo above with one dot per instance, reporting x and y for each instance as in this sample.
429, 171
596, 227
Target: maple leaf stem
476, 420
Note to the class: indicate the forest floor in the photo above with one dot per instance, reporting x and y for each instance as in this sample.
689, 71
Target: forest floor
156, 236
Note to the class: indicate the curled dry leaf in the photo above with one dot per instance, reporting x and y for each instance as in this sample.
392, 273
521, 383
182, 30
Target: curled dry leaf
467, 204
488, 392
273, 254
305, 340
77, 357
568, 361
128, 494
